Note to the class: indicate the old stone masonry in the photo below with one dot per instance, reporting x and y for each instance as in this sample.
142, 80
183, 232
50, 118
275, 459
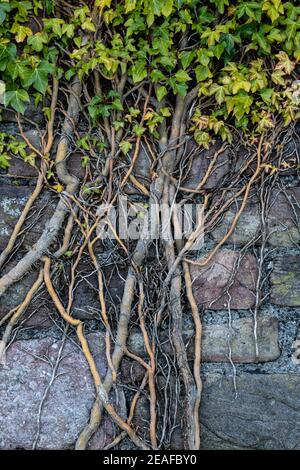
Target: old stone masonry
250, 345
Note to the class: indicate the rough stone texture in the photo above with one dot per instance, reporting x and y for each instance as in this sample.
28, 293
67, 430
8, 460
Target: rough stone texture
283, 227
283, 220
74, 165
142, 170
12, 202
285, 280
216, 340
38, 314
264, 415
225, 272
131, 372
32, 113
216, 337
86, 303
247, 227
200, 164
23, 381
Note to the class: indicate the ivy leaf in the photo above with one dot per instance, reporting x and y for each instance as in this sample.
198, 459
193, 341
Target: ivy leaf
69, 74
250, 9
278, 77
17, 100
21, 32
129, 5
219, 49
219, 92
55, 25
38, 77
4, 9
241, 85
186, 58
68, 30
156, 75
204, 56
273, 9
88, 25
138, 130
7, 54
220, 4
239, 104
4, 160
262, 42
58, 188
181, 89
275, 35
161, 92
182, 76
37, 41
139, 71
284, 63
266, 94
167, 7
125, 146
202, 138
165, 112
17, 69
202, 73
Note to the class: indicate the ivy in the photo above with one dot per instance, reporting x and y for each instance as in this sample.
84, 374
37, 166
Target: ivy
10, 145
242, 55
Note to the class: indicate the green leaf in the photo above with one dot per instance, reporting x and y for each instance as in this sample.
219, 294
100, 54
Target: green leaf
38, 40
220, 4
38, 77
138, 130
202, 73
4, 160
266, 94
204, 56
278, 77
161, 92
165, 112
250, 9
17, 99
284, 63
139, 71
21, 32
202, 138
68, 30
129, 5
4, 9
219, 92
69, 74
262, 42
186, 58
167, 7
17, 69
241, 85
156, 75
182, 76
125, 146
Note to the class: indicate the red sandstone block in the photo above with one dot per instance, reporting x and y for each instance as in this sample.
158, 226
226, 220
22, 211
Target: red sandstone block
227, 280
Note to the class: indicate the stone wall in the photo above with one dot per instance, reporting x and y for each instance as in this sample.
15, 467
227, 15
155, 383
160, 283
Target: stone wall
250, 386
